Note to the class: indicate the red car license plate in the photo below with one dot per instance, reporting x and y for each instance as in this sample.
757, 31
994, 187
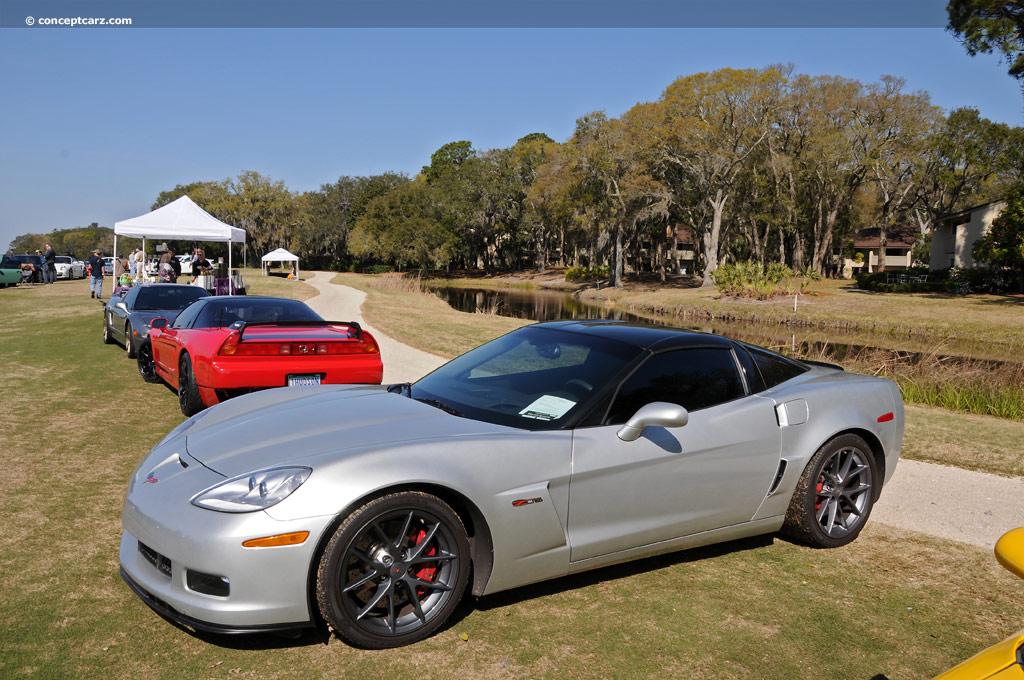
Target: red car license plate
295, 380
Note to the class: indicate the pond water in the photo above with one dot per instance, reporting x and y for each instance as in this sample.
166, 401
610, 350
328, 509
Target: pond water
549, 305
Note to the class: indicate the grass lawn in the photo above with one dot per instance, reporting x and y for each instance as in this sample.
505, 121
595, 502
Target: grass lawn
77, 419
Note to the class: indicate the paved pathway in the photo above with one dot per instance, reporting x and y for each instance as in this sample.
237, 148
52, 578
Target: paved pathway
948, 502
342, 303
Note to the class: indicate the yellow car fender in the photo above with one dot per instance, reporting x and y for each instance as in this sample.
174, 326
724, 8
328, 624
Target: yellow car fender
1003, 661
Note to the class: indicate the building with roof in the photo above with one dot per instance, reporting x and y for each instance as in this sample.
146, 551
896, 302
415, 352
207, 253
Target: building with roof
898, 256
953, 236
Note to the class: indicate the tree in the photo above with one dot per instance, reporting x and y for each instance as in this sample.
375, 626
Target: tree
1003, 245
404, 226
712, 123
899, 124
333, 212
991, 25
961, 159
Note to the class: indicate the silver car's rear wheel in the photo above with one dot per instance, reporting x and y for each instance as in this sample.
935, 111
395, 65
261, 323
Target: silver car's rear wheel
394, 571
834, 496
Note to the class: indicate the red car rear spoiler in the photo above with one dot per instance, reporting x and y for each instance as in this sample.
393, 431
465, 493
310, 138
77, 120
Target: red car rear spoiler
354, 327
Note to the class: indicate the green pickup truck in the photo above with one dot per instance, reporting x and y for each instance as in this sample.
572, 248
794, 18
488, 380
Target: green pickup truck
10, 272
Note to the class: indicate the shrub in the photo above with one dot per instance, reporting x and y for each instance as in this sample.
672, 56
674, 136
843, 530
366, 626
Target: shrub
978, 280
587, 273
879, 282
752, 279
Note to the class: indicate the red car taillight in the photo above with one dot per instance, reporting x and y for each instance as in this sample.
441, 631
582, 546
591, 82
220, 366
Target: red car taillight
230, 344
231, 347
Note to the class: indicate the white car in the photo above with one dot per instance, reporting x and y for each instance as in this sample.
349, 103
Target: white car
69, 267
186, 263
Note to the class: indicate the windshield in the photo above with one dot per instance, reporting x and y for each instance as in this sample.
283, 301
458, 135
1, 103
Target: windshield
62, 259
532, 378
166, 297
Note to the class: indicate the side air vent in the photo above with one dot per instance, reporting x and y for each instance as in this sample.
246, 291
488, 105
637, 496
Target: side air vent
778, 477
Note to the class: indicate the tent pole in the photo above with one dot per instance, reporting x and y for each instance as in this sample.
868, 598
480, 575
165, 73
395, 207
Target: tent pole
113, 285
142, 274
229, 267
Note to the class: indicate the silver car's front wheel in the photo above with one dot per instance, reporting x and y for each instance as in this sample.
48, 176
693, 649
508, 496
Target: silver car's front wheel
834, 496
394, 571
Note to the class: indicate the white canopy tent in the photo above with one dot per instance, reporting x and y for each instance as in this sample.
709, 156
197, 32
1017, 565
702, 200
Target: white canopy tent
180, 220
281, 255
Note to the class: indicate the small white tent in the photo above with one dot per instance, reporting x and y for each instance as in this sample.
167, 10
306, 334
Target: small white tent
280, 255
181, 220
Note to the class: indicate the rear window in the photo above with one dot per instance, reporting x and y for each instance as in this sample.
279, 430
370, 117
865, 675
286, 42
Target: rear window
774, 368
224, 313
160, 297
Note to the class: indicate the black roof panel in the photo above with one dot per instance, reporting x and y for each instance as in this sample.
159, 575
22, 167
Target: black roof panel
640, 335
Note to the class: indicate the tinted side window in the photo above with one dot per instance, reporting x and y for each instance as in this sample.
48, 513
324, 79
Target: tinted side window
129, 299
188, 315
753, 376
692, 378
774, 368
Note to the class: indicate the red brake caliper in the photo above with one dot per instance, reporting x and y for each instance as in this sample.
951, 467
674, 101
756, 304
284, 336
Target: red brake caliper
821, 485
427, 571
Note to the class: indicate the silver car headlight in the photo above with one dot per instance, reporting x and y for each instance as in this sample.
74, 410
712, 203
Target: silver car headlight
252, 491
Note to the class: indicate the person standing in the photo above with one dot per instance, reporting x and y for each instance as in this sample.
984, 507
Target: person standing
50, 256
96, 271
175, 265
132, 263
165, 269
140, 264
120, 269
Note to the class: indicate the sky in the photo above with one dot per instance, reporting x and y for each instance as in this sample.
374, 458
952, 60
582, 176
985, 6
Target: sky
95, 123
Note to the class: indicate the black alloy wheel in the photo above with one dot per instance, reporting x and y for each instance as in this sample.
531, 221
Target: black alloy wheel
188, 391
835, 494
147, 367
394, 571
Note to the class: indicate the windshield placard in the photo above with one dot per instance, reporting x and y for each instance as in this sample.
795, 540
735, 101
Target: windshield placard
548, 407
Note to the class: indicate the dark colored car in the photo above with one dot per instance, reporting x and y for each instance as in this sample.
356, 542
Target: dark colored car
33, 273
126, 316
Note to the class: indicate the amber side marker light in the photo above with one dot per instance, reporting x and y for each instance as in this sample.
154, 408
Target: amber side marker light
294, 538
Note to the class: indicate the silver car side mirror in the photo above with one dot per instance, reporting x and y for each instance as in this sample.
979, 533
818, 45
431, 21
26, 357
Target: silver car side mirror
657, 414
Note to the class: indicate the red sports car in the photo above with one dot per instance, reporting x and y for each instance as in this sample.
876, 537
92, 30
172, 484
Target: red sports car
220, 347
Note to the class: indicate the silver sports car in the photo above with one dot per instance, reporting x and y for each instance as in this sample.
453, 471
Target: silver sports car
557, 448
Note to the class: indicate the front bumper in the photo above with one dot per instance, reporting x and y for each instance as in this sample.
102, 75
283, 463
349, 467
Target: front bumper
268, 588
168, 612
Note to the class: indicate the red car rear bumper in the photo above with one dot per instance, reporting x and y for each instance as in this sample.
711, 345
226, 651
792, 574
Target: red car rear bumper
262, 372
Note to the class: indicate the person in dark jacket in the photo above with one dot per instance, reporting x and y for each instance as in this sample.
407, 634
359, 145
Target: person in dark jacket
50, 256
96, 270
175, 265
